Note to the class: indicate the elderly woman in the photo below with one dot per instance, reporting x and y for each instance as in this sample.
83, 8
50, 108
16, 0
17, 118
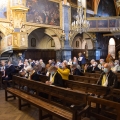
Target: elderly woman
55, 77
64, 72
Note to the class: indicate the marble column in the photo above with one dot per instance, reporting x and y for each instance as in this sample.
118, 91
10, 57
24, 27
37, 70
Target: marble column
66, 49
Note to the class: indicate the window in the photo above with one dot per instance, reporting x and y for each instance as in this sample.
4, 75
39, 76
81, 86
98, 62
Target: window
77, 44
111, 41
111, 47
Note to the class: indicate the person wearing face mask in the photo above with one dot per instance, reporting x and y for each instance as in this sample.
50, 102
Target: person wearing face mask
93, 68
107, 78
64, 72
116, 65
101, 64
55, 77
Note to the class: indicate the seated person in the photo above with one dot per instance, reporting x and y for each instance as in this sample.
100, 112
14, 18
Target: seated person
108, 78
93, 68
55, 77
36, 72
75, 70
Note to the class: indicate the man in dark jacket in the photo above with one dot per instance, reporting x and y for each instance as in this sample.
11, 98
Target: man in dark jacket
9, 71
55, 77
75, 70
108, 78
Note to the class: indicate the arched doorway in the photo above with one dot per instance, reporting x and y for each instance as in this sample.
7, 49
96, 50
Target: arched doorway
42, 44
81, 44
111, 47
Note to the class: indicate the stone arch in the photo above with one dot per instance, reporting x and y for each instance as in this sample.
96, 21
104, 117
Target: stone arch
85, 41
83, 44
50, 34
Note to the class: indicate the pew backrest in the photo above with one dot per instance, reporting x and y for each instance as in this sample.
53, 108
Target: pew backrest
99, 112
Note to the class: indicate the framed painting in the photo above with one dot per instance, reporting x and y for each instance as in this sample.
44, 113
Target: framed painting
52, 43
33, 42
43, 12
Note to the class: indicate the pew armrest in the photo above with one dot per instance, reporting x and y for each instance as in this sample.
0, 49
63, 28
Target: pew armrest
85, 110
77, 107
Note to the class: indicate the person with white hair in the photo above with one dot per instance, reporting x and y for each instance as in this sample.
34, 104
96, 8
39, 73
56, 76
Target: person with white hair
101, 64
107, 78
42, 63
70, 62
93, 68
115, 66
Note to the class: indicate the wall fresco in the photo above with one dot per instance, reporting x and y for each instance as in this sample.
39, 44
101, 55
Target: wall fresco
3, 8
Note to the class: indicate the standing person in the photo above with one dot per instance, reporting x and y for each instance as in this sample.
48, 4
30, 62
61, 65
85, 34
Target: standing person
64, 72
10, 70
81, 60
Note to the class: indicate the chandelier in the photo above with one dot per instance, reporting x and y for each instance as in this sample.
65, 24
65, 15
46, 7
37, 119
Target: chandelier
81, 24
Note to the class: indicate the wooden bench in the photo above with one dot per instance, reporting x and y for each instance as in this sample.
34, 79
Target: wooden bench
99, 112
94, 75
58, 99
83, 79
87, 88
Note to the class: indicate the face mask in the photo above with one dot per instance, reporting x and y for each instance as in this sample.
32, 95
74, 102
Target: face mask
101, 62
74, 62
94, 65
115, 63
106, 70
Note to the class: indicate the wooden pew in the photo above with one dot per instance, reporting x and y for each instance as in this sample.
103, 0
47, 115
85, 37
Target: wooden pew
61, 108
87, 88
83, 79
99, 112
82, 87
94, 75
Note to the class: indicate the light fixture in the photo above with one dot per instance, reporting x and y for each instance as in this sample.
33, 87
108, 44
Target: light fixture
81, 24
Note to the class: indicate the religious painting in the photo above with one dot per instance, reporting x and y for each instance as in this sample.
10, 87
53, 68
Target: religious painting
43, 12
102, 23
23, 40
73, 14
90, 4
3, 8
15, 40
9, 40
52, 43
33, 42
92, 23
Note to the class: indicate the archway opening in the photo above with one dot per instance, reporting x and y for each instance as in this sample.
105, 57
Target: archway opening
111, 47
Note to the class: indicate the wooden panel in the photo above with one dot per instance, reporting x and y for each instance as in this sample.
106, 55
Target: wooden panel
40, 54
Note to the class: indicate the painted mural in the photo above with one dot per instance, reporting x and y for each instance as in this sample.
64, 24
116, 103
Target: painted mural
73, 14
3, 8
43, 12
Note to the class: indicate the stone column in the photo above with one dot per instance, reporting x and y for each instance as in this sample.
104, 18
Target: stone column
66, 50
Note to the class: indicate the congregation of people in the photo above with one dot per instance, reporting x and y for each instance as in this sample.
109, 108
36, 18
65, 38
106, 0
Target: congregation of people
59, 71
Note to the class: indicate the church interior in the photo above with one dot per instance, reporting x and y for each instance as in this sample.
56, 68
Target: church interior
60, 59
